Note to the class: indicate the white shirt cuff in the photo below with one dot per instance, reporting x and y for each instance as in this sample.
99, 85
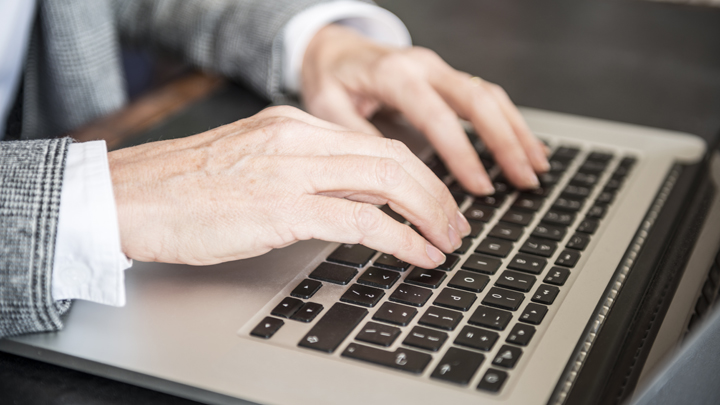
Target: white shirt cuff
370, 20
89, 263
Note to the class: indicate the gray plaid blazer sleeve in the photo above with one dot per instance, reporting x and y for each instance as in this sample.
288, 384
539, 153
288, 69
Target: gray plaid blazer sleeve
237, 38
31, 174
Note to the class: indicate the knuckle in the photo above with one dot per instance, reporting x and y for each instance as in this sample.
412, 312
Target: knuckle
283, 110
397, 149
389, 173
424, 54
368, 219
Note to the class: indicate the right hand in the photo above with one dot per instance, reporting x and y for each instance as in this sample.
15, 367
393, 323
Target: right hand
270, 180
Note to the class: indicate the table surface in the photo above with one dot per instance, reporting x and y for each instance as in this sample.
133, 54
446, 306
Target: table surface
644, 63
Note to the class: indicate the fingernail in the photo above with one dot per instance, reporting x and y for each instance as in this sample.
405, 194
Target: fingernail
544, 164
486, 186
531, 179
454, 237
435, 254
463, 224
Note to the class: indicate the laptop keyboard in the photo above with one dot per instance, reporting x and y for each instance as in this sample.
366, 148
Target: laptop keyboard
496, 289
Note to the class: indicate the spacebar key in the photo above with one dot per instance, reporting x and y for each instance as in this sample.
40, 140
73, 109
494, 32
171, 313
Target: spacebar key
401, 359
332, 328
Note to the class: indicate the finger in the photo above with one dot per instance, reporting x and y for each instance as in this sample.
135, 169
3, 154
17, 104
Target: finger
534, 148
428, 112
335, 105
354, 143
385, 178
476, 104
339, 220
300, 115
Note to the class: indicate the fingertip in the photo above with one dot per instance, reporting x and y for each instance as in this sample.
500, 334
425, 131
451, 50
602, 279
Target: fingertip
435, 254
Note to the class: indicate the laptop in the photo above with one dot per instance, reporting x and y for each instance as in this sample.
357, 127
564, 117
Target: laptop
547, 300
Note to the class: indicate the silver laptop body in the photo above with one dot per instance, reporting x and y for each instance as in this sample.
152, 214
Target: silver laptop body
186, 330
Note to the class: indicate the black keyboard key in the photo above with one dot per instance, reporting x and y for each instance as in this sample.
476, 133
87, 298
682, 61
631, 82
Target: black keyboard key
528, 203
391, 262
552, 232
307, 312
475, 228
613, 184
465, 280
597, 211
539, 247
578, 241
379, 278
568, 258
362, 295
425, 278
333, 327
545, 294
600, 156
506, 231
351, 255
287, 307
503, 299
440, 318
401, 359
494, 201
542, 191
494, 247
306, 289
425, 338
455, 299
527, 263
378, 334
395, 313
458, 366
567, 204
549, 178
459, 197
333, 273
588, 225
520, 334
479, 213
565, 154
466, 243
584, 179
557, 276
514, 216
606, 197
411, 295
502, 186
493, 380
507, 356
557, 166
561, 218
476, 338
482, 264
449, 263
628, 162
573, 191
515, 281
490, 318
592, 167
533, 313
267, 327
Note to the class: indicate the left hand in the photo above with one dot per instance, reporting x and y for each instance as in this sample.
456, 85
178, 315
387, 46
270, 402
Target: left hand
346, 78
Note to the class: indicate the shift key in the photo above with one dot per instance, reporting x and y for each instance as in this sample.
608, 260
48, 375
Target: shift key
401, 359
333, 328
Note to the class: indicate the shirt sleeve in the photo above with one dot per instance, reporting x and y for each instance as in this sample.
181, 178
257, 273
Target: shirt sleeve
89, 263
370, 20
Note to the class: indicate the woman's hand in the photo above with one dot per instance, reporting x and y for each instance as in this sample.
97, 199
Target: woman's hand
275, 178
347, 78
